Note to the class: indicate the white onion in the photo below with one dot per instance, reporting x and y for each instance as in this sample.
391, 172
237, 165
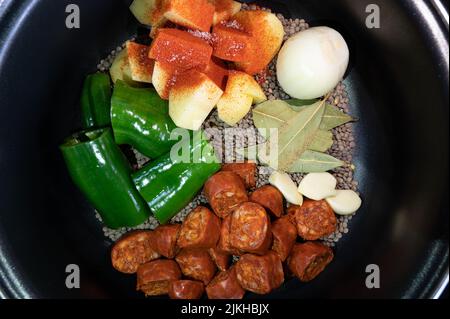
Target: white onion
312, 62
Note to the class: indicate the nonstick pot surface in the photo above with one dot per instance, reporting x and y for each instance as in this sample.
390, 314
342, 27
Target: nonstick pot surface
398, 85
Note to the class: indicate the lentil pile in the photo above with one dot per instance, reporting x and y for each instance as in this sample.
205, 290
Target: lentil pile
231, 140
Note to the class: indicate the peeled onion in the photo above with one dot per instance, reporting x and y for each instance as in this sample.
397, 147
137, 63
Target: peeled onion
345, 202
318, 186
312, 62
287, 187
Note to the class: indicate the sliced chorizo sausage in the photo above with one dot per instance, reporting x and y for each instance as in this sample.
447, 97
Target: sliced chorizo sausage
260, 274
314, 219
133, 249
166, 237
308, 260
270, 198
154, 278
221, 258
200, 229
186, 289
197, 264
224, 244
284, 237
250, 229
225, 286
277, 270
225, 191
246, 171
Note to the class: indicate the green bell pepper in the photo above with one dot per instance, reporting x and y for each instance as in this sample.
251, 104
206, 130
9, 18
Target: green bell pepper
168, 184
96, 101
141, 119
102, 173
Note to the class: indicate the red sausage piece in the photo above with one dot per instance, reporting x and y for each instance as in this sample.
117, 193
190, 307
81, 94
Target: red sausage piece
133, 249
196, 264
224, 241
246, 171
308, 260
284, 237
277, 271
221, 258
186, 289
225, 286
260, 274
250, 229
270, 198
314, 219
200, 229
225, 191
154, 278
166, 237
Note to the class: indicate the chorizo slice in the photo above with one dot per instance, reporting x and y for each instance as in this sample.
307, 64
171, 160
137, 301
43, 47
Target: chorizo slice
246, 171
225, 191
196, 264
277, 270
308, 260
186, 289
222, 259
284, 236
154, 278
133, 249
260, 274
225, 286
250, 229
224, 244
200, 229
166, 237
314, 219
270, 198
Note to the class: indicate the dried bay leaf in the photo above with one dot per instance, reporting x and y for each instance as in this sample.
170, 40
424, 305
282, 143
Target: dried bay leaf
275, 114
297, 102
303, 134
272, 114
322, 142
314, 162
333, 118
295, 136
309, 162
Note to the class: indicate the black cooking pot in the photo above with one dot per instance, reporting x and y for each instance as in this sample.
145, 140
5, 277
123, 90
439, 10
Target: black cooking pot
398, 84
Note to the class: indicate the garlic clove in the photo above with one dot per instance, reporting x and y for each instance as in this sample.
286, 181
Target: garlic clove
318, 186
345, 202
287, 187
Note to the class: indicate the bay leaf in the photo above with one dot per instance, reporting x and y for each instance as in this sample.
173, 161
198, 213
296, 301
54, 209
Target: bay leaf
322, 142
298, 102
333, 118
295, 136
272, 114
314, 162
